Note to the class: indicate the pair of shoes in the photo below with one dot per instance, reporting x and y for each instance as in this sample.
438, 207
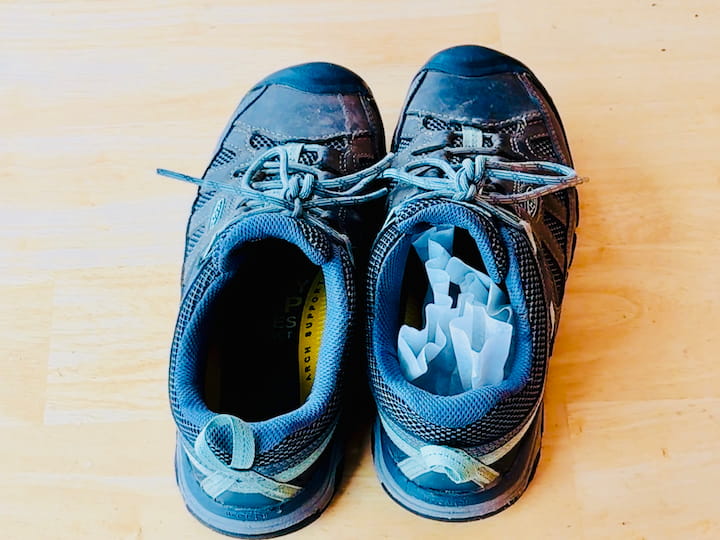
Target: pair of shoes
464, 234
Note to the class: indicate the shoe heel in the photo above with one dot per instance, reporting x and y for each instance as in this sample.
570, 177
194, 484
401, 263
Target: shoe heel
459, 506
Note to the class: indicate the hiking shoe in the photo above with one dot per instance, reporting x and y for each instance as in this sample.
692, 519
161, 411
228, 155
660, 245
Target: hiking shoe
268, 300
465, 284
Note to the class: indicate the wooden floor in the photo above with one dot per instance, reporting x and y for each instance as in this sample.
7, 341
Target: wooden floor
95, 95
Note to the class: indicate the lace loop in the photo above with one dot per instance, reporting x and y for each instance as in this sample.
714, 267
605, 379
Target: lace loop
459, 466
239, 476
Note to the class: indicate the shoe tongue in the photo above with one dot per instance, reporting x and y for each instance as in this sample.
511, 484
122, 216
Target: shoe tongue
340, 155
440, 136
314, 243
472, 137
323, 157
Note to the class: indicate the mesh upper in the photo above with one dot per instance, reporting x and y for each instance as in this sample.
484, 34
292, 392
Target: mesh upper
534, 276
259, 123
291, 439
509, 410
258, 141
223, 157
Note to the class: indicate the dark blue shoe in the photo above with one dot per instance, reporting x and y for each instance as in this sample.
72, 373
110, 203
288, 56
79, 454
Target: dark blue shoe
459, 337
268, 300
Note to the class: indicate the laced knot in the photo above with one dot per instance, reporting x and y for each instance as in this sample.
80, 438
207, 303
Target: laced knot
468, 178
485, 182
299, 190
273, 182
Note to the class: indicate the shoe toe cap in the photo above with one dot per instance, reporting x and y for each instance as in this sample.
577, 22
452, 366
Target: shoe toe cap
473, 61
318, 78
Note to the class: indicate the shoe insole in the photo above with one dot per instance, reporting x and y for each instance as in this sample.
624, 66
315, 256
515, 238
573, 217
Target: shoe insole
263, 322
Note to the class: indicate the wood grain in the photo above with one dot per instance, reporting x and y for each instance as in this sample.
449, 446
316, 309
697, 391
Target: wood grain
95, 95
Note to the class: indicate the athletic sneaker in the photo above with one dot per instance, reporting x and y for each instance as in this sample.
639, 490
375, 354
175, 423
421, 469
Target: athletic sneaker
268, 300
465, 284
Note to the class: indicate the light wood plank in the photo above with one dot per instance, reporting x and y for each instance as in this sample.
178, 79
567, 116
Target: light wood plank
96, 95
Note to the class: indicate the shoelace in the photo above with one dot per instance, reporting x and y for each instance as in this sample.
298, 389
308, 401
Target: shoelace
275, 183
238, 476
456, 464
475, 182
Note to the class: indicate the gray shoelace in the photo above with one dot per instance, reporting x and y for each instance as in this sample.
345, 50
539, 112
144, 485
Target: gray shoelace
275, 183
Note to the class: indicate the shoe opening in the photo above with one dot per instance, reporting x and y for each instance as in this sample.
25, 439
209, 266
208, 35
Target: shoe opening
264, 332
456, 330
